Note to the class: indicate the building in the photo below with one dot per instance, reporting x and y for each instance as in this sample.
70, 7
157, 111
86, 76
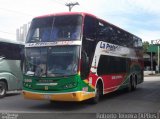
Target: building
21, 32
151, 57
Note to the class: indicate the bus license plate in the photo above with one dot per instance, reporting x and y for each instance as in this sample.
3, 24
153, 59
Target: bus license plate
47, 96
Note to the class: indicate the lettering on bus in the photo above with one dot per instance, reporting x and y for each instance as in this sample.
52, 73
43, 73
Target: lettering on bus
42, 44
117, 77
108, 46
66, 42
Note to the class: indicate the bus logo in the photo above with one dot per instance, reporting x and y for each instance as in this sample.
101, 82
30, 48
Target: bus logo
46, 87
108, 46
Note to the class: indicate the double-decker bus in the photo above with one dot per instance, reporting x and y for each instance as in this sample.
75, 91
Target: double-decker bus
76, 56
11, 63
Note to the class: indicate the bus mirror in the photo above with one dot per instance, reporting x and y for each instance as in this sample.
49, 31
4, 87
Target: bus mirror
85, 65
85, 58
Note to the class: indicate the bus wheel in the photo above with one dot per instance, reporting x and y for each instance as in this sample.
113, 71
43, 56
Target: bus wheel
52, 102
3, 89
97, 95
129, 88
134, 85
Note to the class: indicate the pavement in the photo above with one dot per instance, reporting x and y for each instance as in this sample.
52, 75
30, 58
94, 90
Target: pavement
152, 75
141, 103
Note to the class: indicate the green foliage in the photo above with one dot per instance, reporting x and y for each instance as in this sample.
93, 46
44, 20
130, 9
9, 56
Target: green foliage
145, 46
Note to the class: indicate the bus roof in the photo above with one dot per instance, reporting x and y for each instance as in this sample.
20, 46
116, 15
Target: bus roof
66, 13
11, 41
83, 14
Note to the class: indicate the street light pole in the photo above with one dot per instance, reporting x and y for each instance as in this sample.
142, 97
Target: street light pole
151, 58
71, 5
158, 58
157, 42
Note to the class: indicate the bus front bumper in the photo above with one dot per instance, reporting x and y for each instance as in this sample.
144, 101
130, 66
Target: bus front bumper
69, 96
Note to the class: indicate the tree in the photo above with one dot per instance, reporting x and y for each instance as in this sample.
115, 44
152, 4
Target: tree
145, 46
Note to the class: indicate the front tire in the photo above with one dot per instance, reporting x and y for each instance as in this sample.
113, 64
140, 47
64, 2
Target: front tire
3, 89
95, 99
52, 102
132, 84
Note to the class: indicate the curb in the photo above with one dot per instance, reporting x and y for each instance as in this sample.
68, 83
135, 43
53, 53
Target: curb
152, 75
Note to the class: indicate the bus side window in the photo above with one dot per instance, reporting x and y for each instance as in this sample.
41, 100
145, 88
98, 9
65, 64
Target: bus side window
105, 32
139, 42
88, 45
89, 27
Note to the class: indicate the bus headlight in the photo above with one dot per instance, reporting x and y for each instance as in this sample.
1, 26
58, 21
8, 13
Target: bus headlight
27, 85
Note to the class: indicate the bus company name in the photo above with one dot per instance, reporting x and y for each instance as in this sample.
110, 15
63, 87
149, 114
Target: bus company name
116, 77
108, 46
51, 43
41, 44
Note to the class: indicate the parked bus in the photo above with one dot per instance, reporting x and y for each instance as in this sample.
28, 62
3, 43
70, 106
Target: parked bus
11, 76
77, 56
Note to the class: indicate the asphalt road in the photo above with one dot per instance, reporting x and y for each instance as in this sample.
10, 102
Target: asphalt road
146, 98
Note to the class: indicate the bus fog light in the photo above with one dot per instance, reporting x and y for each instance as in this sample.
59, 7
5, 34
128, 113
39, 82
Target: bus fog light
23, 93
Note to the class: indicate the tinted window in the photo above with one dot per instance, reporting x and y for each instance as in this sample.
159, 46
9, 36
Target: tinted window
112, 65
137, 42
62, 61
109, 33
88, 45
11, 51
104, 32
90, 27
55, 28
52, 61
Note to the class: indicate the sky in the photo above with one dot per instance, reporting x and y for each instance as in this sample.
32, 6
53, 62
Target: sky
139, 17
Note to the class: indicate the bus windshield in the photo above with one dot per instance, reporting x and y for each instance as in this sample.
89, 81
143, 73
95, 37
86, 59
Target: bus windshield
52, 61
55, 28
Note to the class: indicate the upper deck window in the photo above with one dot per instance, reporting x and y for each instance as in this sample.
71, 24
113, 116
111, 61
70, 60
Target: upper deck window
55, 28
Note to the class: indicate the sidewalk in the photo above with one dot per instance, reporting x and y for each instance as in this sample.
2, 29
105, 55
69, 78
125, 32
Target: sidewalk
151, 75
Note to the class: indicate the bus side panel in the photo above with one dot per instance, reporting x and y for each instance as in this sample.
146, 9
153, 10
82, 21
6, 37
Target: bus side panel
112, 82
115, 65
10, 71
